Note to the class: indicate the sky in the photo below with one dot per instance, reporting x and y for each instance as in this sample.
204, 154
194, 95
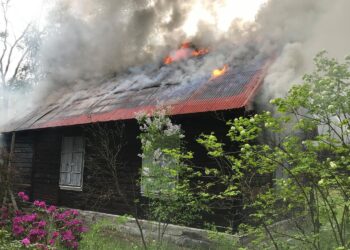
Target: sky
24, 11
226, 10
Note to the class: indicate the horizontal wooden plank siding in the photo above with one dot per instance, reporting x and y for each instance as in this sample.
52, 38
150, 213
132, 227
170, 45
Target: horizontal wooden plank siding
193, 126
96, 193
22, 162
46, 165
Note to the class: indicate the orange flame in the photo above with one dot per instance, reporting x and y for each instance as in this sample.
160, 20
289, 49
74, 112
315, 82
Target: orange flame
185, 45
168, 60
219, 72
186, 50
199, 52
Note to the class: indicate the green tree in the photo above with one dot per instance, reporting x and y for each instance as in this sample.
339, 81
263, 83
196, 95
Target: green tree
167, 178
309, 162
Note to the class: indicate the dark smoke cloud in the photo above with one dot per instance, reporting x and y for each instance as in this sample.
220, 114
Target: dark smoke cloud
88, 39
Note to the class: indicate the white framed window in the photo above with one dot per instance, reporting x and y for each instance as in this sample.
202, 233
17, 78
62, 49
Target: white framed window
72, 163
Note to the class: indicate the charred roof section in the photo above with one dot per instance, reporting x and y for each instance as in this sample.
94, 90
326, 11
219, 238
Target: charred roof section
145, 89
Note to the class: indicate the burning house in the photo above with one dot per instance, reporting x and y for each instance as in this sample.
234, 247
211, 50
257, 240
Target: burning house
50, 149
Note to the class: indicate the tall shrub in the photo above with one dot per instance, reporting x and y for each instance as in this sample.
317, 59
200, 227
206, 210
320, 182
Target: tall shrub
309, 163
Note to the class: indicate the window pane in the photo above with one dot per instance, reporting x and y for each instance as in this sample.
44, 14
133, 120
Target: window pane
72, 161
67, 145
66, 159
77, 163
75, 179
78, 144
64, 178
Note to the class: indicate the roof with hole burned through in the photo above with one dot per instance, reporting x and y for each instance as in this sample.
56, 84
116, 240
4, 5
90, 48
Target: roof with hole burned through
144, 90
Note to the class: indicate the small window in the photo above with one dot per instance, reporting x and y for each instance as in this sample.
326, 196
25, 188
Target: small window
72, 163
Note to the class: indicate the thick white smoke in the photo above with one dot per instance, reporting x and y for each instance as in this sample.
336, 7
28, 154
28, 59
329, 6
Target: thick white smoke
88, 38
95, 38
298, 30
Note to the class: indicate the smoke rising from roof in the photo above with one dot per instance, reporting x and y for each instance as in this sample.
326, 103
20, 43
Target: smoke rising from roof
90, 38
298, 30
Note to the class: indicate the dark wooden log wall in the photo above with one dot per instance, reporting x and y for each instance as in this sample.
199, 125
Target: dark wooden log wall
204, 123
46, 165
97, 189
22, 161
38, 158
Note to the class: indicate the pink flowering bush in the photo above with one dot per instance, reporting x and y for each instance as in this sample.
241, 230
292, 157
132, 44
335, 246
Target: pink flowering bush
44, 227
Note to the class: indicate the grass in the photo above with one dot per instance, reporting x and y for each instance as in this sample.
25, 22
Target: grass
105, 235
107, 242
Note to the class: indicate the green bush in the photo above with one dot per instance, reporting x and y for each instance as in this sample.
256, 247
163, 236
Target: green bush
7, 242
308, 161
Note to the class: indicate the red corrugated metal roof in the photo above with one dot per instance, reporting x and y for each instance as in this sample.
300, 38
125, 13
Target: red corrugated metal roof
123, 97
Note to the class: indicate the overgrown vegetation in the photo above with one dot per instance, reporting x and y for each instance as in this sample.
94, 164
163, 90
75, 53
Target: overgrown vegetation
311, 156
167, 180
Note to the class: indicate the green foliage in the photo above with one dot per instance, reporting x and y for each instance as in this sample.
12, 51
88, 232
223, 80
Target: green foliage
166, 175
160, 166
309, 160
8, 243
223, 241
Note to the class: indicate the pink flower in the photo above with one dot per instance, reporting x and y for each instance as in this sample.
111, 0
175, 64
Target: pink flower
55, 235
37, 233
51, 209
75, 245
68, 235
41, 247
74, 212
64, 215
73, 222
23, 196
42, 223
17, 230
17, 220
18, 212
29, 217
25, 242
40, 204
